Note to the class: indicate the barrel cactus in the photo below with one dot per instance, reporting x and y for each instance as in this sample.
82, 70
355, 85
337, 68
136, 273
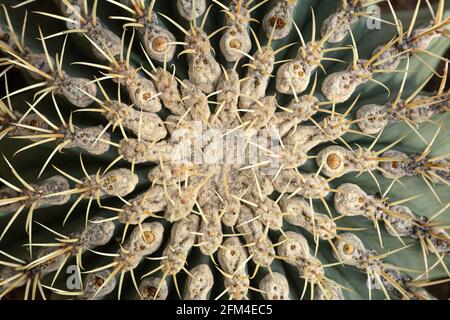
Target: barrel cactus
224, 149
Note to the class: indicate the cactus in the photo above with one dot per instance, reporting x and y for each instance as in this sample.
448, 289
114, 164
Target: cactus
224, 149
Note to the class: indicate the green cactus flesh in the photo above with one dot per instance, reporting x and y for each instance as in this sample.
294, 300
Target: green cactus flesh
115, 177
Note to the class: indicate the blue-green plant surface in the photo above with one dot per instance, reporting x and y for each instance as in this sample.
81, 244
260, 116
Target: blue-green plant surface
346, 198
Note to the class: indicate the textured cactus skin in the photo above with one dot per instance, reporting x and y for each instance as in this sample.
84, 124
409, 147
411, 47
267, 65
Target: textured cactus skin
29, 163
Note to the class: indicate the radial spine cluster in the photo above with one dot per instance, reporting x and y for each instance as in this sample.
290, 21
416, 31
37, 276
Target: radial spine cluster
162, 158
